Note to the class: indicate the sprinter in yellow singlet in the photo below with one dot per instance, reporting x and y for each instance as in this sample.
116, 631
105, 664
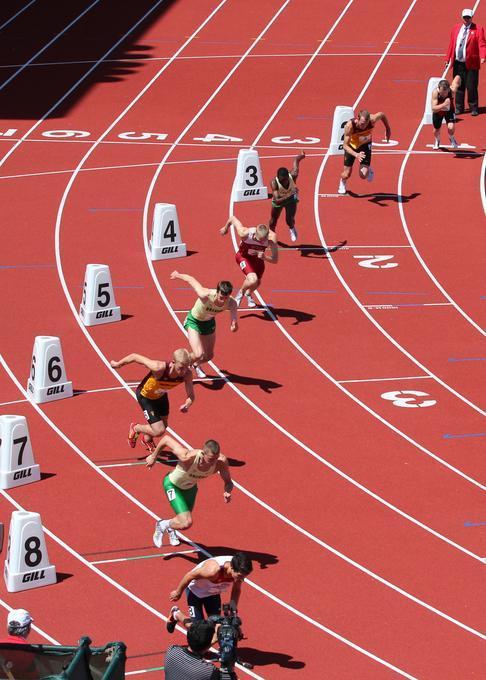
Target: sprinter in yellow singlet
200, 322
152, 393
357, 140
180, 485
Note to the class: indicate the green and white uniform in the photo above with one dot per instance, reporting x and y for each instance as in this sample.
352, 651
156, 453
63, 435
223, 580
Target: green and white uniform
181, 485
201, 317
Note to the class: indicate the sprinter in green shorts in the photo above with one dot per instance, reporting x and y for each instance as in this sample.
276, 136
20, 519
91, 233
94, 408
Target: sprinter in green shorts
181, 484
200, 322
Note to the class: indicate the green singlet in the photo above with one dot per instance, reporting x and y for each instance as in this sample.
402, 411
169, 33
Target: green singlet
181, 500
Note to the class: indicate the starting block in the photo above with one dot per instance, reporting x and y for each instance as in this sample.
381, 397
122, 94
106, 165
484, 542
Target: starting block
427, 119
47, 380
27, 563
341, 116
17, 465
166, 241
248, 184
98, 304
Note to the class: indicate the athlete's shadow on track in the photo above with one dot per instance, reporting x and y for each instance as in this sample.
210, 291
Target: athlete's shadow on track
379, 197
265, 385
265, 560
314, 251
279, 313
258, 657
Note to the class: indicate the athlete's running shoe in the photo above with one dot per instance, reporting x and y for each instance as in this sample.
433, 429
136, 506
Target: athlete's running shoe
160, 528
436, 146
172, 621
173, 537
238, 297
454, 143
132, 436
250, 301
342, 187
200, 373
293, 234
149, 444
370, 175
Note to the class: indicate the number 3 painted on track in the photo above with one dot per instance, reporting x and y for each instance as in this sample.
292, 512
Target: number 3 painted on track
399, 398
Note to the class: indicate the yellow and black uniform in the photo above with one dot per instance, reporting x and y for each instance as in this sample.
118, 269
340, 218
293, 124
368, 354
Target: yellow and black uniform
359, 140
152, 394
180, 485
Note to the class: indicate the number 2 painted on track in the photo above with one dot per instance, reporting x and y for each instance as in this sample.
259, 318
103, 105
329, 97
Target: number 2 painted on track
402, 399
372, 261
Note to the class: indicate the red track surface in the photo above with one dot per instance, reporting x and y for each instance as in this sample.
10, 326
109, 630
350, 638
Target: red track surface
353, 509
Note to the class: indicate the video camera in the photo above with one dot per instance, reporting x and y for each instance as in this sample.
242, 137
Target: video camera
229, 634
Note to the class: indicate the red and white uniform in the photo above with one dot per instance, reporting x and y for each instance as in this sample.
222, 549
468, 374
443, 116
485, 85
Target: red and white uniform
250, 254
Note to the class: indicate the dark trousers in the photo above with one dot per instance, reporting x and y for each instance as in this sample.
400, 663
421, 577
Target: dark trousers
469, 82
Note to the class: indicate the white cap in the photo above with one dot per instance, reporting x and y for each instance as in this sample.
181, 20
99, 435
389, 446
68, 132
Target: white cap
19, 616
467, 13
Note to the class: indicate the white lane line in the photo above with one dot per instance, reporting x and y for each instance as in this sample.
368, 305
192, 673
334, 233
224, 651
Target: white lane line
45, 635
107, 578
482, 183
403, 377
353, 295
81, 393
72, 23
14, 16
419, 257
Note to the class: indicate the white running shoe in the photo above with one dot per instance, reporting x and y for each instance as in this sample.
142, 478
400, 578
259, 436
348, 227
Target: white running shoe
454, 143
293, 234
238, 297
200, 373
160, 528
370, 175
436, 145
173, 537
342, 187
250, 301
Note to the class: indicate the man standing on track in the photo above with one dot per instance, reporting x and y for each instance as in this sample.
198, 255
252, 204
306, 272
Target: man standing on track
180, 485
152, 393
204, 585
358, 133
285, 195
466, 53
251, 256
200, 322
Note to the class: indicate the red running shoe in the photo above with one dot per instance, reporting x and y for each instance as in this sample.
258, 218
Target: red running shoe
149, 444
132, 436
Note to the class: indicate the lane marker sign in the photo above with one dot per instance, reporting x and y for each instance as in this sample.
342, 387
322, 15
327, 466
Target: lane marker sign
341, 116
48, 380
17, 465
432, 84
166, 240
27, 563
98, 303
248, 184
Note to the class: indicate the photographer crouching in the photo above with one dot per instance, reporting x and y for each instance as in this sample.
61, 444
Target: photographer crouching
188, 663
204, 585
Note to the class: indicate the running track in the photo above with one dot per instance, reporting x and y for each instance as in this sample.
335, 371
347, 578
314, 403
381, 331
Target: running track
357, 511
